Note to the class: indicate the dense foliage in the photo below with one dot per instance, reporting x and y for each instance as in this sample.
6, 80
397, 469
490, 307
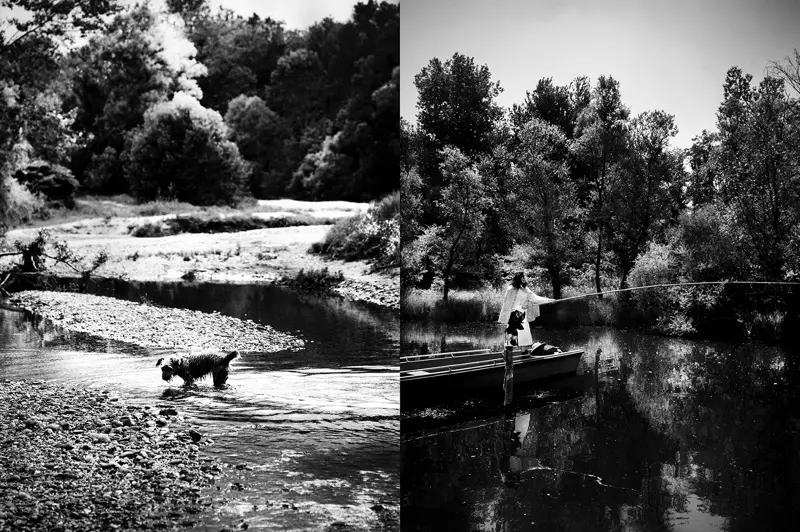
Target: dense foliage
580, 192
182, 152
373, 236
313, 112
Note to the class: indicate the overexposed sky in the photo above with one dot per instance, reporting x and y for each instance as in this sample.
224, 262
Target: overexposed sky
670, 55
297, 14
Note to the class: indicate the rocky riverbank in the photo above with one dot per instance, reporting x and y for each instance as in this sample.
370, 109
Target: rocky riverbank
152, 326
78, 459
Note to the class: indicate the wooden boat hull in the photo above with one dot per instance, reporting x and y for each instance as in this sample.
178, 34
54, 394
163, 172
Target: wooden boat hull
474, 371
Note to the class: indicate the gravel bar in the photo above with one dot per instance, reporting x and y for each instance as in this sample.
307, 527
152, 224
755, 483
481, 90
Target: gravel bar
79, 459
152, 326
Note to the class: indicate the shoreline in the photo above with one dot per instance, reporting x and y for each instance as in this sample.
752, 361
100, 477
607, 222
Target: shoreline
258, 256
78, 458
151, 326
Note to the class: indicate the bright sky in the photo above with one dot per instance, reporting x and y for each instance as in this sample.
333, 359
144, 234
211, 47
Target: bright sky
670, 55
297, 14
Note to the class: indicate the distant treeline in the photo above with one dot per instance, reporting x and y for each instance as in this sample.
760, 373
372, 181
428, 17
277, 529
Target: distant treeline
572, 187
177, 100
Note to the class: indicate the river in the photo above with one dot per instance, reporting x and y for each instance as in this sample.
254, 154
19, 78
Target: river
652, 434
311, 436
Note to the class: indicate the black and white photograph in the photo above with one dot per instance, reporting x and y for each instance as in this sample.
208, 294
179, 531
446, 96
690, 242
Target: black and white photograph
600, 284
199, 265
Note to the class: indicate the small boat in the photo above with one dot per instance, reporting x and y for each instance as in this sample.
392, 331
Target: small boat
481, 369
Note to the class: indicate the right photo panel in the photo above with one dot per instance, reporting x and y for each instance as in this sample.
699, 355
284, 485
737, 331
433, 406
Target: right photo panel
600, 265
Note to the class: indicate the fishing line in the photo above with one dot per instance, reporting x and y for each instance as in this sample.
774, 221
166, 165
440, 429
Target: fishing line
667, 285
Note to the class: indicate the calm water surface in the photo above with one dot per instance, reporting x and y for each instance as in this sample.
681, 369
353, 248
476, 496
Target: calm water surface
651, 434
316, 430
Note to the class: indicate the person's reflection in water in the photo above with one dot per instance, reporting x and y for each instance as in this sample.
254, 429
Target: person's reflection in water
506, 445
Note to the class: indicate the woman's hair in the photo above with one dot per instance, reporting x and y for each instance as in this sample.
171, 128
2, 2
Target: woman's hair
518, 281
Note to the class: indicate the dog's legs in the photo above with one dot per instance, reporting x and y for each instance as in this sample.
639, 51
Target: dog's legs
220, 376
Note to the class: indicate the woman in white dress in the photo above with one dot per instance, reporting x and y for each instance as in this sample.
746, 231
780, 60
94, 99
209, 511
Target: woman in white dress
519, 297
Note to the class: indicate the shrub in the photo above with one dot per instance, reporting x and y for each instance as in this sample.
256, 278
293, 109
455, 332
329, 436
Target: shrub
369, 236
52, 181
182, 152
17, 204
230, 224
316, 280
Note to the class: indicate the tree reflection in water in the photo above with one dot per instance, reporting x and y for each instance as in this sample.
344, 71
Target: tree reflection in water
664, 434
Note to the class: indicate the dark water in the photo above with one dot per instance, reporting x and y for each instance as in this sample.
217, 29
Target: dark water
652, 434
315, 430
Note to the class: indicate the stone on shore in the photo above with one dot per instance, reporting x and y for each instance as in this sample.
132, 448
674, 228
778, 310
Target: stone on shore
85, 477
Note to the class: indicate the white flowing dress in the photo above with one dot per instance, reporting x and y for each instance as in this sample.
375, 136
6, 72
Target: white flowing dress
525, 300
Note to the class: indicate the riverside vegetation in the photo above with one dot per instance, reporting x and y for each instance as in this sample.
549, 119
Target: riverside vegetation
569, 186
167, 108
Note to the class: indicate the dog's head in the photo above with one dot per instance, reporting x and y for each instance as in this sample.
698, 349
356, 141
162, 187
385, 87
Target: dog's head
170, 368
515, 321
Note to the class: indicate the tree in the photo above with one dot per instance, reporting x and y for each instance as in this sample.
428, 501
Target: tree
645, 188
599, 142
182, 152
456, 103
452, 242
49, 20
788, 70
31, 47
143, 59
456, 107
259, 132
704, 179
546, 211
758, 160
240, 54
548, 102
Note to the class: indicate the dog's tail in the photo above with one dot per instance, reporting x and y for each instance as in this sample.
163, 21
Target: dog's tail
230, 356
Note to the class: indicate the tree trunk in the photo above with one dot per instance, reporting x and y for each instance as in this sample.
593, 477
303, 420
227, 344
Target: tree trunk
556, 284
623, 283
597, 261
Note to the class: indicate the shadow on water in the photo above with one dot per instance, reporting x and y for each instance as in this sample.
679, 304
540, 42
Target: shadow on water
663, 434
314, 433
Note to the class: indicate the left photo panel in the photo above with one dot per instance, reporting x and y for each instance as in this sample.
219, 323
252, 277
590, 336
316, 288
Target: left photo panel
199, 265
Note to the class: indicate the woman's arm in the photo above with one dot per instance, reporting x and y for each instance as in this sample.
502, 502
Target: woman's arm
540, 300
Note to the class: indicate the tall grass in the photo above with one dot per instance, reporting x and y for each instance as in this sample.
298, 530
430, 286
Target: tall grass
483, 305
463, 305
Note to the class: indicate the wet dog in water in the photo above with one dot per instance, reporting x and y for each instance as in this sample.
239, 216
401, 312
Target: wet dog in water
191, 367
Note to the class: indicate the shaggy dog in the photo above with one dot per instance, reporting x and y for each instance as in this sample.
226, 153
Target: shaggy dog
514, 325
197, 366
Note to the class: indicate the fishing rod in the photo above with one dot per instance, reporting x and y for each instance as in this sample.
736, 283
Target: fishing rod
667, 285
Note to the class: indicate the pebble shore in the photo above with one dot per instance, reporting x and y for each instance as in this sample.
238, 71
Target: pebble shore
152, 326
78, 459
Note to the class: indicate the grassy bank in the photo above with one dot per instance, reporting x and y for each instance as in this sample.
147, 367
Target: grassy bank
734, 322
125, 206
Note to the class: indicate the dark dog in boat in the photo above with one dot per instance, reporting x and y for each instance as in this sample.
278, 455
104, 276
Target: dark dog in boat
191, 367
514, 325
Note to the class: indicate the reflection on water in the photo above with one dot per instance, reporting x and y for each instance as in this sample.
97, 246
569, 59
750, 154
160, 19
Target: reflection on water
665, 434
315, 432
